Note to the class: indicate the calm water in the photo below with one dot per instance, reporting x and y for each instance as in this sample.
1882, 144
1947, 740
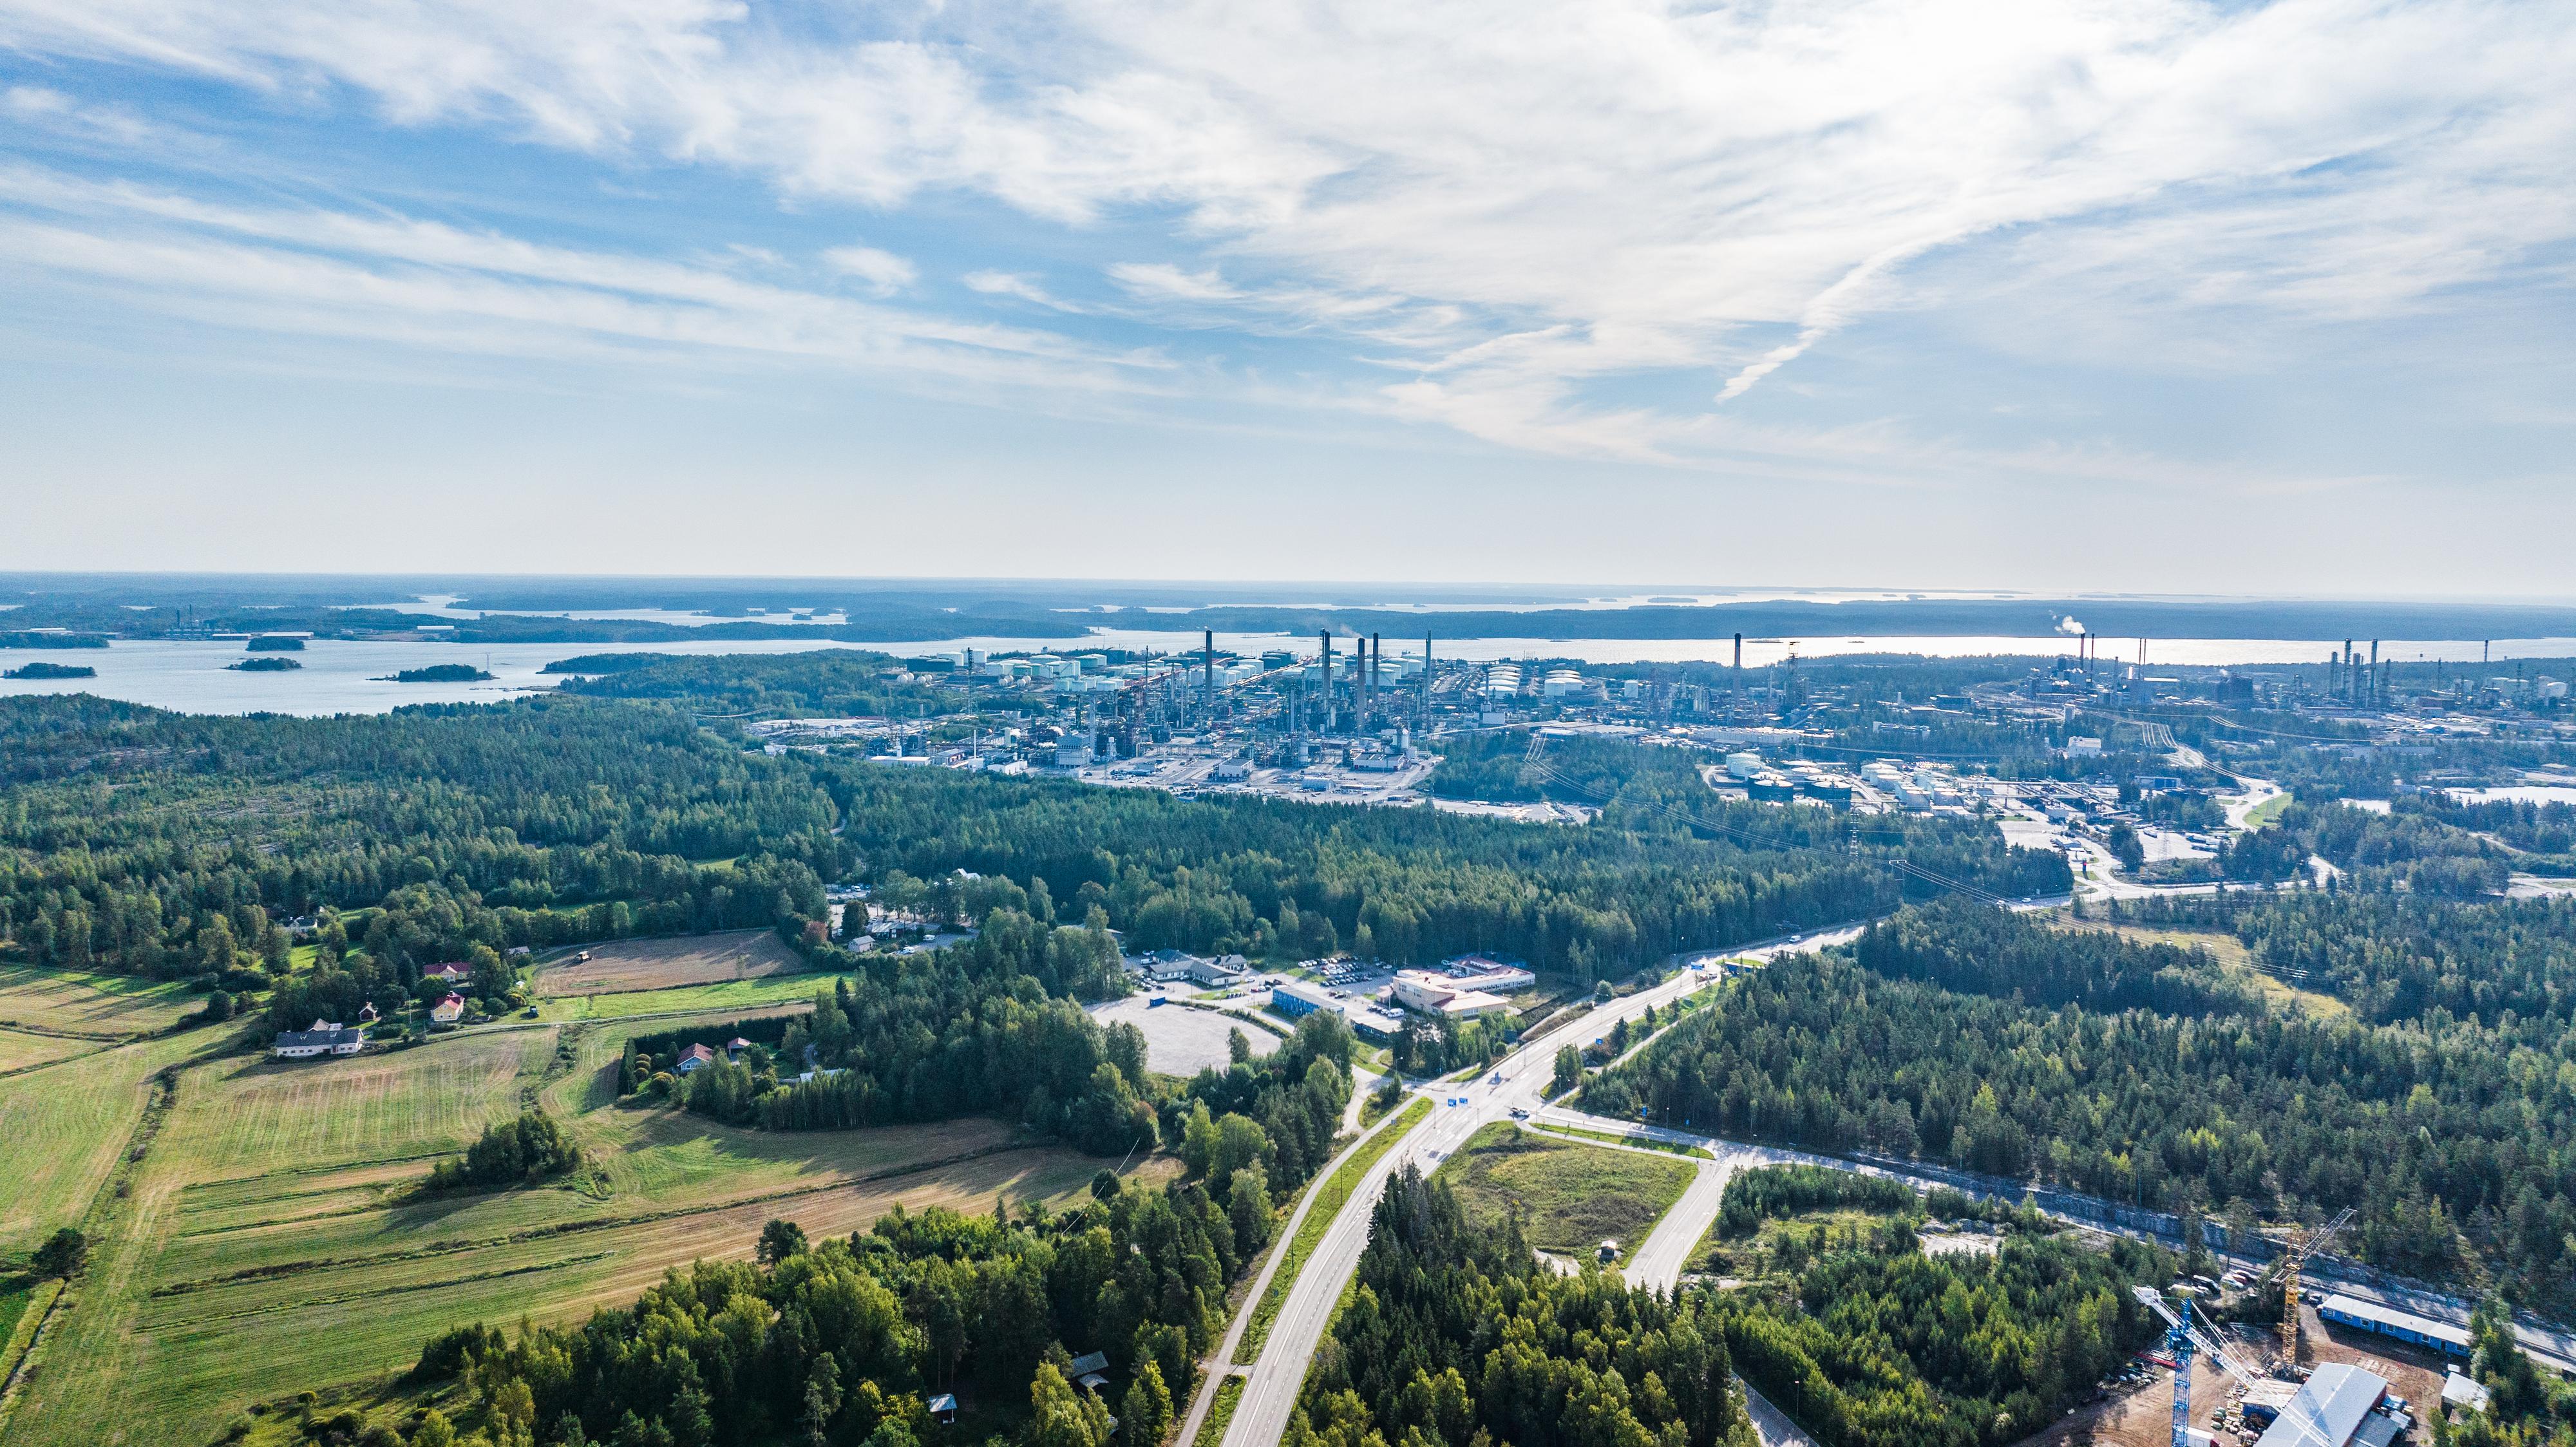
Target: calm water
337, 677
341, 677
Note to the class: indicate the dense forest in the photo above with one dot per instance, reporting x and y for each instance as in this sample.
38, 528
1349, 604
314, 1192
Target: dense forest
2507, 966
1455, 1337
1881, 1345
827, 683
1982, 1039
155, 843
841, 1343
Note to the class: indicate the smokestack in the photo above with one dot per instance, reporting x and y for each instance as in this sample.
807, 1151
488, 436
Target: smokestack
1739, 658
1426, 683
1327, 724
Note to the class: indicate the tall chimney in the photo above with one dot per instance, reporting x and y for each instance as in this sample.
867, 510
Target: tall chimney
1327, 725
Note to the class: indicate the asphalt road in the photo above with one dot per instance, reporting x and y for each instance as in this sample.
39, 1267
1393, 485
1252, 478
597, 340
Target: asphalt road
1270, 1389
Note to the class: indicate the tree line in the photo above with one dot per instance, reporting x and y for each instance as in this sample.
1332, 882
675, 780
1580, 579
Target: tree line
2457, 1146
843, 1342
1883, 1346
152, 843
1457, 1337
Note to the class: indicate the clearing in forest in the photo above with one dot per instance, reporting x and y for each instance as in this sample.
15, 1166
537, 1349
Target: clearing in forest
623, 965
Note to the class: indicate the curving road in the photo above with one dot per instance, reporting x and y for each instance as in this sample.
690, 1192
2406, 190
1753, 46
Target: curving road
1517, 1083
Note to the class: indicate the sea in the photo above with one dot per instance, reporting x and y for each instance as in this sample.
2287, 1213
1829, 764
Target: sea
340, 677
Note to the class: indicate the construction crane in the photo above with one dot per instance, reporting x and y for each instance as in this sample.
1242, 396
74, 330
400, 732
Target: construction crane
2181, 1335
2293, 1261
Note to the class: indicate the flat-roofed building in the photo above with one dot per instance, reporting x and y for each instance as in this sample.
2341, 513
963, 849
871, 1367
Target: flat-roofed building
2388, 1321
1298, 998
1444, 995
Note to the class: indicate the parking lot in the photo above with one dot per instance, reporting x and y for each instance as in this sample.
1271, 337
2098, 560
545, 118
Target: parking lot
1179, 1040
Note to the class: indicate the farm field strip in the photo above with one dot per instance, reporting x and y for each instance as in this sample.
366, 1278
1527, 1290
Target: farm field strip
24, 1050
734, 995
92, 1006
199, 1356
509, 1218
65, 1127
263, 1113
631, 965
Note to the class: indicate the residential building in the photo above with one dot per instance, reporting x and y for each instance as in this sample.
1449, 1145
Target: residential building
448, 1011
693, 1057
325, 1038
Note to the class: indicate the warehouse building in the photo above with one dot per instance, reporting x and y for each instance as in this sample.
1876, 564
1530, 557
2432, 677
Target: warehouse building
2338, 1407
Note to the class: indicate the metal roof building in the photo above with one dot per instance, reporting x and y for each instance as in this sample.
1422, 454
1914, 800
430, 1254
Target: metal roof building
2329, 1411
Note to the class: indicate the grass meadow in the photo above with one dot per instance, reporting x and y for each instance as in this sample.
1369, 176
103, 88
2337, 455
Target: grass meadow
271, 1239
1571, 1196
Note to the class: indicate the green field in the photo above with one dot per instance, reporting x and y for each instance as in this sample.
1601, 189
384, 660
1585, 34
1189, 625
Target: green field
738, 995
20, 1050
77, 1002
2268, 811
1571, 1197
270, 1240
64, 1127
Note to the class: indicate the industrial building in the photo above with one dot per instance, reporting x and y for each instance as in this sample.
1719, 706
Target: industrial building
2337, 1407
2388, 1321
1445, 995
1297, 999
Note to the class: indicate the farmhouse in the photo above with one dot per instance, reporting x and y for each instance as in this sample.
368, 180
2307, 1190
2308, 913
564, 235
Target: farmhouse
451, 974
325, 1038
693, 1057
448, 1011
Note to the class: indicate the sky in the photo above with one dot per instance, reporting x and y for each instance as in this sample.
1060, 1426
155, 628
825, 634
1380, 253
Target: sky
2162, 297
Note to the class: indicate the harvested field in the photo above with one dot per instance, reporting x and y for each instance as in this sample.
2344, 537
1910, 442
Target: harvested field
65, 1125
625, 965
19, 1050
77, 1002
740, 997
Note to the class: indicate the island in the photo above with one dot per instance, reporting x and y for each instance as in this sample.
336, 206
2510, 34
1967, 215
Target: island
276, 643
52, 670
440, 673
264, 665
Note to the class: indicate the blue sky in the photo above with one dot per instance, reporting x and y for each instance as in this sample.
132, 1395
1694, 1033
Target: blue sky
2151, 296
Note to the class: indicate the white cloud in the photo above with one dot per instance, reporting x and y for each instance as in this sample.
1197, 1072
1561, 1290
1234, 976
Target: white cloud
884, 270
338, 274
1510, 202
